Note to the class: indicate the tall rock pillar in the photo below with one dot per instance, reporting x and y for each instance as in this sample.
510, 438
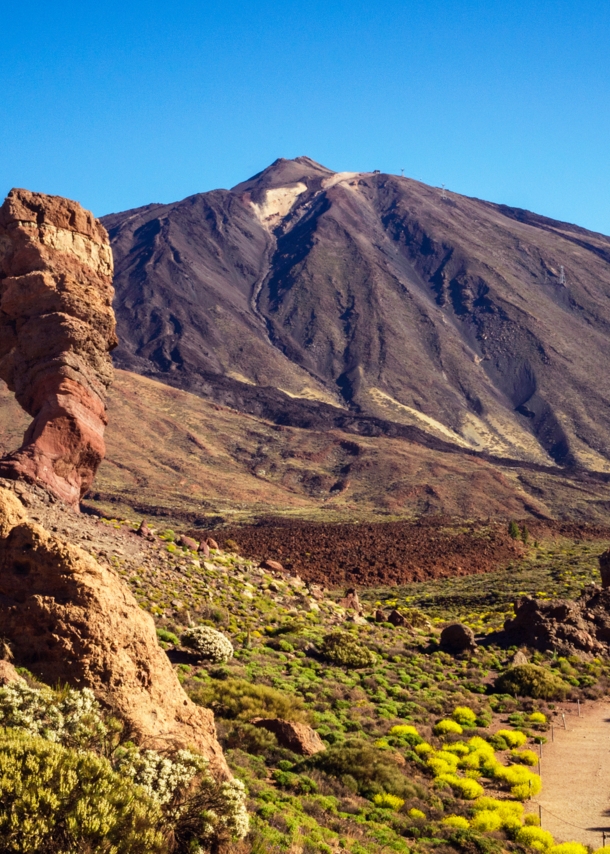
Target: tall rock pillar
57, 329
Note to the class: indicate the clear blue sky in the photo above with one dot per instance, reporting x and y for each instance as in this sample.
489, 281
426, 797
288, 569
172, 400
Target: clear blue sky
121, 104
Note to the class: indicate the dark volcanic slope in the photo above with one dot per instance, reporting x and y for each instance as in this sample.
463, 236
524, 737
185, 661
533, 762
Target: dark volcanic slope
483, 325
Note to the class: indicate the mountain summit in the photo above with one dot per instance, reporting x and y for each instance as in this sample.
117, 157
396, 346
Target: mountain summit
312, 297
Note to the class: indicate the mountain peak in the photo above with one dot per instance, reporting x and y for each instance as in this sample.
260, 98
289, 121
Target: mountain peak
282, 173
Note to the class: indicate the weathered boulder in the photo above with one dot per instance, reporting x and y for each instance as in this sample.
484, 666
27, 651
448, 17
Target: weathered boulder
379, 616
204, 549
212, 543
299, 738
144, 531
396, 618
70, 620
519, 658
562, 625
57, 328
458, 638
273, 565
188, 542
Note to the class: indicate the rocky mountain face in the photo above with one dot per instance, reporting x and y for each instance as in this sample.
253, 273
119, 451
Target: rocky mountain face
320, 299
57, 328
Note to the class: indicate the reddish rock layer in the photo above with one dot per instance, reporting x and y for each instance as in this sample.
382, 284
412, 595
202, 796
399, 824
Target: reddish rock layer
57, 328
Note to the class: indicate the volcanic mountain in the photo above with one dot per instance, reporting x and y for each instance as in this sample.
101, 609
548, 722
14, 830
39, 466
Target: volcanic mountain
376, 304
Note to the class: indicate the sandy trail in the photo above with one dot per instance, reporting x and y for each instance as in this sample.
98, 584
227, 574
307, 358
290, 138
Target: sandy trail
575, 767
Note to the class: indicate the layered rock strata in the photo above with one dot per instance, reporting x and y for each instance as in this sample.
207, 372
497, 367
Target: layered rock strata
57, 329
70, 620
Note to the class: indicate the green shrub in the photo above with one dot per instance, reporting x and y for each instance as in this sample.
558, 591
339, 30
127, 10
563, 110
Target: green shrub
373, 771
346, 650
464, 716
531, 680
237, 699
513, 530
537, 718
97, 809
447, 726
168, 637
416, 815
251, 739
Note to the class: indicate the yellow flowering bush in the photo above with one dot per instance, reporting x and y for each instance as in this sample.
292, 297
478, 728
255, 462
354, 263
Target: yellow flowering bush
512, 737
487, 820
447, 726
457, 821
387, 801
569, 848
526, 757
464, 716
535, 837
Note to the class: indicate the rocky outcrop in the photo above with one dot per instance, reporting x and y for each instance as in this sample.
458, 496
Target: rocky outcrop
457, 638
300, 738
350, 601
604, 568
562, 625
70, 620
8, 674
57, 328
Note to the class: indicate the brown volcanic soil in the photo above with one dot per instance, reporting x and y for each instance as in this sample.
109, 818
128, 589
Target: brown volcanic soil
379, 553
392, 552
176, 456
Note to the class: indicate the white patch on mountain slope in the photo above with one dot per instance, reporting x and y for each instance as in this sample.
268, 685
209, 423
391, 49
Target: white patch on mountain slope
338, 178
276, 203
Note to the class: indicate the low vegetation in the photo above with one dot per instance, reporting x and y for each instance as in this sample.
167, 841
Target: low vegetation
423, 750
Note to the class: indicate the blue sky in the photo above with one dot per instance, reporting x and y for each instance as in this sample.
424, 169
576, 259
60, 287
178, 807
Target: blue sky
121, 104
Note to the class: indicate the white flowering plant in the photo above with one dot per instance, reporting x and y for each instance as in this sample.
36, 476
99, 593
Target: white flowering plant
196, 806
197, 812
211, 645
68, 717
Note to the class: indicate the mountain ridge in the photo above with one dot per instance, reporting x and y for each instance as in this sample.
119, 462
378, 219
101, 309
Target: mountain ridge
376, 295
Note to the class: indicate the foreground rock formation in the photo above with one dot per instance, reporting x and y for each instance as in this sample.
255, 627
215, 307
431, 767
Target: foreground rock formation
70, 620
566, 626
56, 331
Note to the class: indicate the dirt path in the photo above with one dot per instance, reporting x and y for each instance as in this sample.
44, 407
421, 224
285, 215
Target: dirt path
575, 767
